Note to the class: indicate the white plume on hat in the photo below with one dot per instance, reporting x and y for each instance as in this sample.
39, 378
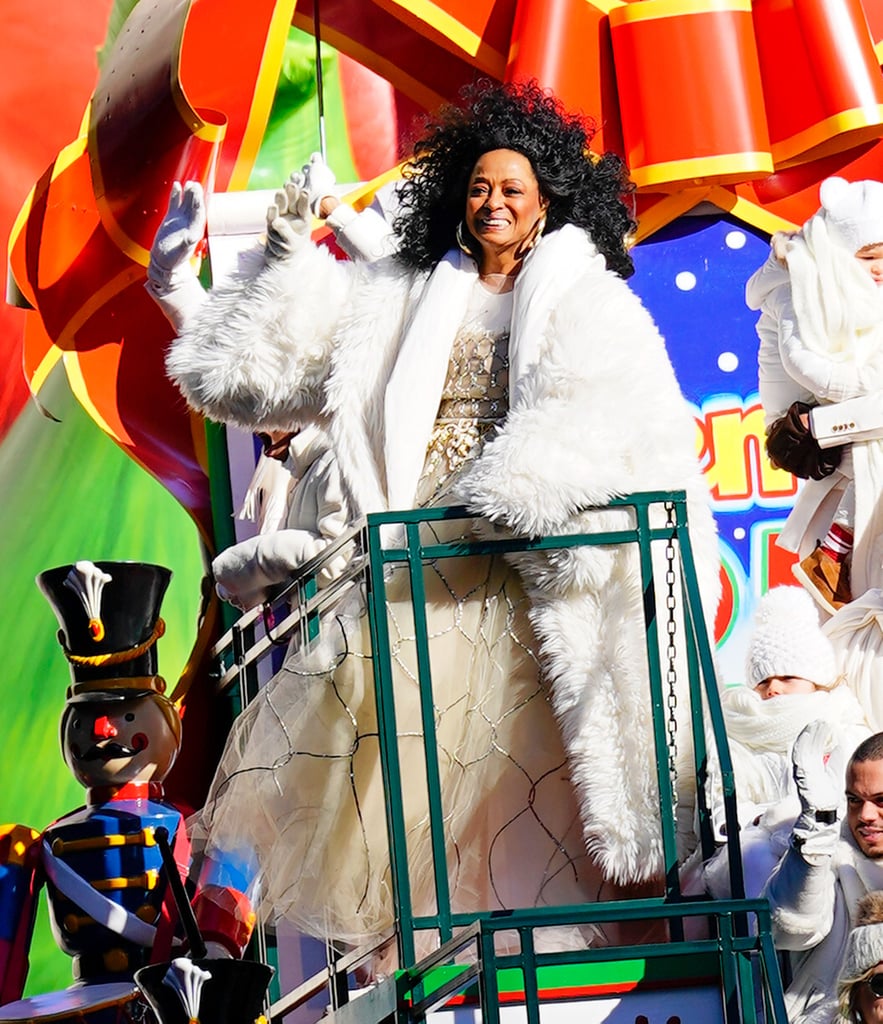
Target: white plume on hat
864, 948
788, 641
853, 212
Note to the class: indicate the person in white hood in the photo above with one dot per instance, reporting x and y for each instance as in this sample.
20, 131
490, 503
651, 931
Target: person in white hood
821, 344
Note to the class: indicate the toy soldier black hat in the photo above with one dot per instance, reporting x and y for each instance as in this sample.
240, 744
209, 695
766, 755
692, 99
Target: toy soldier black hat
109, 617
206, 991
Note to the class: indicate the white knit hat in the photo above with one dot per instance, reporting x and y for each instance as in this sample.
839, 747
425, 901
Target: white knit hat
788, 641
853, 212
864, 947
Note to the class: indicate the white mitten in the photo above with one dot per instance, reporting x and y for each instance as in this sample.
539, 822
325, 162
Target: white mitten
818, 769
289, 221
246, 572
318, 180
181, 230
779, 244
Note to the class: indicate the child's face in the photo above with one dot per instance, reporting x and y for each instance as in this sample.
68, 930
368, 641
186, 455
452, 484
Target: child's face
782, 686
871, 258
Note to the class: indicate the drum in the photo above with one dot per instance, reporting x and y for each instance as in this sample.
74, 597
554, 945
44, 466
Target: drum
116, 1002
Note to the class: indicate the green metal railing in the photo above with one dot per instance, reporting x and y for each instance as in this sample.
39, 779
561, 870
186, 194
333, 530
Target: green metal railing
734, 960
740, 943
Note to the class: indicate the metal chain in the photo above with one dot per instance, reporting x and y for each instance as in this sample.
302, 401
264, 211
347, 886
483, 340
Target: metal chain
671, 650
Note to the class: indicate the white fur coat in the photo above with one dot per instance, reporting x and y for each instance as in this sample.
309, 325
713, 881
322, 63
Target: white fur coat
595, 412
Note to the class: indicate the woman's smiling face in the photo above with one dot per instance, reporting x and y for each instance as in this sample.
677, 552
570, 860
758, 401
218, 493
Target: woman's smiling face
503, 207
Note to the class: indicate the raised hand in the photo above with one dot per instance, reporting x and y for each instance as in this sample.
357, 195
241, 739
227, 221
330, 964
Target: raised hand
289, 220
180, 232
818, 767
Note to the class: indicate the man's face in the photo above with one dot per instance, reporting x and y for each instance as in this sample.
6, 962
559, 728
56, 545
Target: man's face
864, 806
110, 744
867, 1002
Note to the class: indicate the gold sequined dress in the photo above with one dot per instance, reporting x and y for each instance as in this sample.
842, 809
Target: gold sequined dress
300, 779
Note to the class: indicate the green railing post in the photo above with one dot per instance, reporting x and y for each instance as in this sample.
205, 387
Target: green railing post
716, 715
386, 719
490, 992
430, 744
529, 974
657, 703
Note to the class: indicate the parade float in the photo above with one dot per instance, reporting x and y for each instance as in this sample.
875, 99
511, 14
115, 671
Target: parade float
728, 114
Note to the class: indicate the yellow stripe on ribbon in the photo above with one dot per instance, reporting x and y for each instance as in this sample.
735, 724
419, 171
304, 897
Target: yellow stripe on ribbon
750, 213
677, 8
667, 210
829, 131
674, 173
264, 94
485, 57
409, 85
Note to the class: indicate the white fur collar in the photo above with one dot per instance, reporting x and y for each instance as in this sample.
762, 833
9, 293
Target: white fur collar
415, 385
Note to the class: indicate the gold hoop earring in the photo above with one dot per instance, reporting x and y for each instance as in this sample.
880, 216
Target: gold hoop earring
461, 243
538, 230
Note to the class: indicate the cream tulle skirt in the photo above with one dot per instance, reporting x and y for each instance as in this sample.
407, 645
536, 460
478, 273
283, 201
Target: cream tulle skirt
300, 781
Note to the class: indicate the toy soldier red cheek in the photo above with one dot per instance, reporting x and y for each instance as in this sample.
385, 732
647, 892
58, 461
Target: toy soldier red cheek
140, 741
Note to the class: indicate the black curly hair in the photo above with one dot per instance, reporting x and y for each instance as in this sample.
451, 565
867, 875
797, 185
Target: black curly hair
582, 190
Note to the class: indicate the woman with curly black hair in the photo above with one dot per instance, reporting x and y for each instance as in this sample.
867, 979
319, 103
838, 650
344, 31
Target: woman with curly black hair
579, 189
500, 361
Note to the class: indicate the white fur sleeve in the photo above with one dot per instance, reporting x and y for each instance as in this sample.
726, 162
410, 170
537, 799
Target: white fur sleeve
599, 415
362, 236
258, 350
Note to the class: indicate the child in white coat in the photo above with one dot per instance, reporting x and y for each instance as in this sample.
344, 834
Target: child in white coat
821, 333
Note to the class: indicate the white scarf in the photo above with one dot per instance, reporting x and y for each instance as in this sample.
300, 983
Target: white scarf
772, 725
838, 306
756, 726
856, 631
415, 386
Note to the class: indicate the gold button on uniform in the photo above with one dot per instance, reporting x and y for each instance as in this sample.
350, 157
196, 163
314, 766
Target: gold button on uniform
116, 960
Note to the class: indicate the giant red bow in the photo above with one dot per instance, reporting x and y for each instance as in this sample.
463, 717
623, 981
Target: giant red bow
749, 105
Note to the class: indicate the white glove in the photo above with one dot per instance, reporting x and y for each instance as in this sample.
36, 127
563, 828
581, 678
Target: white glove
181, 230
318, 180
246, 573
818, 767
779, 244
289, 222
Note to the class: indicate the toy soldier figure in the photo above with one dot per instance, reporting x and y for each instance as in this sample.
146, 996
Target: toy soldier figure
109, 901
